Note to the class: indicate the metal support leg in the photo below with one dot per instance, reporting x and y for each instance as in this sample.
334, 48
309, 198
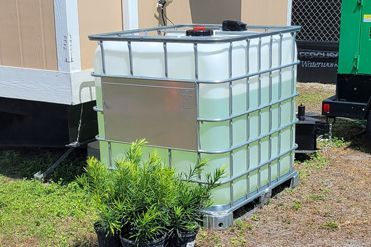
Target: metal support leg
42, 175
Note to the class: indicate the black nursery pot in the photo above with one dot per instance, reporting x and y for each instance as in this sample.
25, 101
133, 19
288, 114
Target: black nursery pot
160, 242
185, 239
105, 240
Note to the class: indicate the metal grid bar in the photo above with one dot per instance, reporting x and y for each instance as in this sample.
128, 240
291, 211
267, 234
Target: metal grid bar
130, 59
219, 151
281, 100
139, 35
103, 58
279, 104
258, 167
249, 197
270, 109
259, 106
247, 116
230, 99
197, 80
166, 60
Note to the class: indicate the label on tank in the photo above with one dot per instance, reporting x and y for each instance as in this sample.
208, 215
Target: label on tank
367, 18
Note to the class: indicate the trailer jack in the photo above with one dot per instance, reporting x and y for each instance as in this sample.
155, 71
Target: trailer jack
308, 128
42, 175
71, 147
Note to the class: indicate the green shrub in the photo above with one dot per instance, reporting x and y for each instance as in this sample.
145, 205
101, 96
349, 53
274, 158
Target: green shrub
144, 199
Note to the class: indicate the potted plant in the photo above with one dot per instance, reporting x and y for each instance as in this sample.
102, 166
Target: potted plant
99, 184
146, 204
191, 199
146, 229
142, 202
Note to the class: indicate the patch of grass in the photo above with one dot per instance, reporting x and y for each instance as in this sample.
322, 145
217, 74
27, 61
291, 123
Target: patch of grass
241, 225
316, 197
216, 240
312, 97
330, 225
304, 173
23, 163
52, 214
43, 214
335, 142
296, 205
320, 196
316, 162
238, 241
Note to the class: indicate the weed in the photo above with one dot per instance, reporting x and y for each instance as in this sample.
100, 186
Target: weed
316, 197
242, 225
215, 239
330, 225
238, 241
255, 217
320, 196
334, 142
296, 205
316, 162
304, 173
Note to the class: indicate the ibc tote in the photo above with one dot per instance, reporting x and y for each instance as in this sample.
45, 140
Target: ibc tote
203, 92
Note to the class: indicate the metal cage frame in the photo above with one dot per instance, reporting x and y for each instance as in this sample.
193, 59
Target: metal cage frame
143, 35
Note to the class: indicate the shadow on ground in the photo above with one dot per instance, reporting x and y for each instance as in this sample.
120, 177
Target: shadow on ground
24, 162
353, 133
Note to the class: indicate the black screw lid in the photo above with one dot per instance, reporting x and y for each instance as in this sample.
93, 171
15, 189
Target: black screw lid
230, 25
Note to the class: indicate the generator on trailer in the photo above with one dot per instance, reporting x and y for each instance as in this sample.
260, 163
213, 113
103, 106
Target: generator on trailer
353, 88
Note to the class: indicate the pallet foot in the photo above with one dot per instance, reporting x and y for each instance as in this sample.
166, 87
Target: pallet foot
218, 220
265, 197
294, 180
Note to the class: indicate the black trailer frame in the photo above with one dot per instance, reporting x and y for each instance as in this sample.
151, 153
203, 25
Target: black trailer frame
333, 107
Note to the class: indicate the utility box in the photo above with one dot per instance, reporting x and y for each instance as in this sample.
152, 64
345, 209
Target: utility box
201, 92
355, 50
353, 89
355, 38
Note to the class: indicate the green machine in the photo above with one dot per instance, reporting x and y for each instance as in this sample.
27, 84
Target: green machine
353, 88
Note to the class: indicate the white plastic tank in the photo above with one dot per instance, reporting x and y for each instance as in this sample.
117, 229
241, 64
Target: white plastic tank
256, 128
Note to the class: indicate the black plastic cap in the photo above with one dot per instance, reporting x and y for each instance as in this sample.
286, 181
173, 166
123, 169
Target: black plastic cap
301, 112
199, 31
229, 25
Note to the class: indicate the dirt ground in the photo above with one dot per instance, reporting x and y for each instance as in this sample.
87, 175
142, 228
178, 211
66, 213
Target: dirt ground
330, 207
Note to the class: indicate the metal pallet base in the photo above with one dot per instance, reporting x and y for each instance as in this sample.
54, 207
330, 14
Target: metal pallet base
218, 220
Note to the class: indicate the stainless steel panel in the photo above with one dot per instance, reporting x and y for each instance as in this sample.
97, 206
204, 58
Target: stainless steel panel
163, 112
